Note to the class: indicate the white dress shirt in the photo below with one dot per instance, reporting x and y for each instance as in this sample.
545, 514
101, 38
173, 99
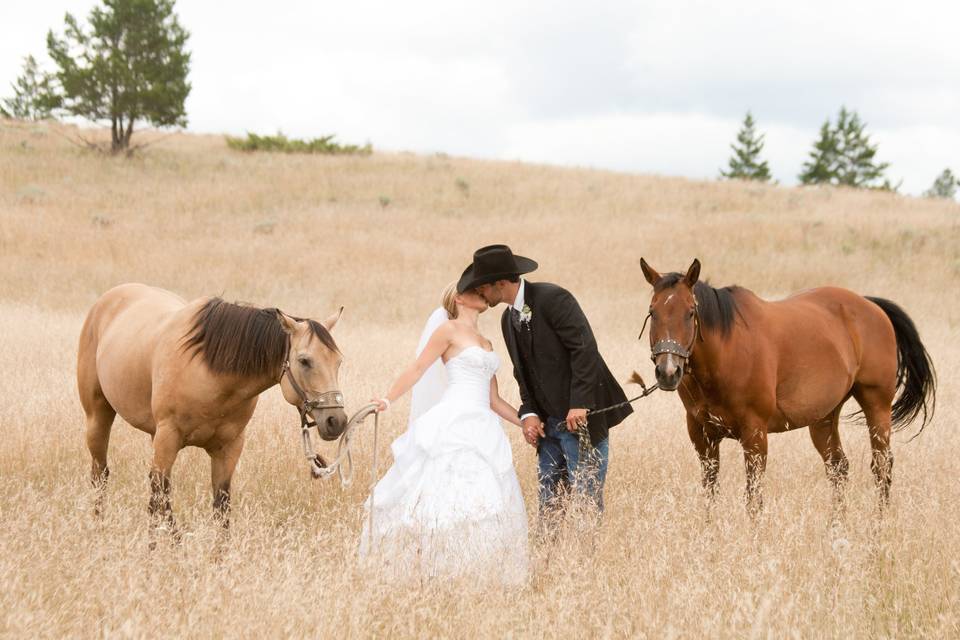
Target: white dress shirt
518, 305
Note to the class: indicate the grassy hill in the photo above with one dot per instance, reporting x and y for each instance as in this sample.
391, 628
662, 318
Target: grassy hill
382, 235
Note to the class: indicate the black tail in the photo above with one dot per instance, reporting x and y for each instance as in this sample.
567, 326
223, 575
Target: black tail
915, 374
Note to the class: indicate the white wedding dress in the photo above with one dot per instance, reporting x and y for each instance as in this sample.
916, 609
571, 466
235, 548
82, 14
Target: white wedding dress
450, 506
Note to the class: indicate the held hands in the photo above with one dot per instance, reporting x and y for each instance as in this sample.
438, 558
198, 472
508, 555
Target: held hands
575, 418
532, 429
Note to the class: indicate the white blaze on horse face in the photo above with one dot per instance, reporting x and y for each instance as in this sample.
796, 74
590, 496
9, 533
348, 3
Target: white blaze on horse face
670, 366
669, 298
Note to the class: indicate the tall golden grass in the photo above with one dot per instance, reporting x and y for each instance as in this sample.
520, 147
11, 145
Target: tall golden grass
382, 235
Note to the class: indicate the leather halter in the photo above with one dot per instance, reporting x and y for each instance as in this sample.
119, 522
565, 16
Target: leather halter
669, 345
326, 400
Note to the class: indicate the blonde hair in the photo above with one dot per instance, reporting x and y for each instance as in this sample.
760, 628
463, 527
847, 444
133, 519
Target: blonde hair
447, 300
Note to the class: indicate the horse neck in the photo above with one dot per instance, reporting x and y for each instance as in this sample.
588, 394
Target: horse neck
252, 386
707, 356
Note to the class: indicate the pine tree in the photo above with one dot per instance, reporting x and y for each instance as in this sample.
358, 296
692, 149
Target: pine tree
843, 155
745, 162
945, 186
129, 65
821, 168
32, 98
856, 159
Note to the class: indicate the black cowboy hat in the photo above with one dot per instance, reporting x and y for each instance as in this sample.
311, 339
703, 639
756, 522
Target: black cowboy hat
492, 263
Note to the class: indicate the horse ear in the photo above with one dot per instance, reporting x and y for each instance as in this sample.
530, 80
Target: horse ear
693, 274
649, 273
331, 322
288, 324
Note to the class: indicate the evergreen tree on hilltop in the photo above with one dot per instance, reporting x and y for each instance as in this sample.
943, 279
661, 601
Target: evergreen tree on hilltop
821, 168
844, 156
857, 167
129, 65
745, 163
945, 186
32, 95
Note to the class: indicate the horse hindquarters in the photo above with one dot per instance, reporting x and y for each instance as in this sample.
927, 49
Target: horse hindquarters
905, 367
916, 378
98, 412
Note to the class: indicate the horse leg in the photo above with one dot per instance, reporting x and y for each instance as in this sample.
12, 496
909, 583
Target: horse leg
753, 439
876, 403
826, 438
99, 415
708, 450
223, 461
167, 443
98, 412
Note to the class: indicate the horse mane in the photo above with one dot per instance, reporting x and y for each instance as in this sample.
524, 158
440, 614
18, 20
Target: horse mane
243, 340
717, 308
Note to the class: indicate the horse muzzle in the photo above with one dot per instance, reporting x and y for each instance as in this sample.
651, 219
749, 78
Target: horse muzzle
669, 371
670, 357
330, 422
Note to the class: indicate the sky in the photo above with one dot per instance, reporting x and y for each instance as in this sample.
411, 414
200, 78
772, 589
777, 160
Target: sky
647, 86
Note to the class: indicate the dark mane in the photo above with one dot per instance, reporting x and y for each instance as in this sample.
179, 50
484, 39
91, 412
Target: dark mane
243, 340
717, 307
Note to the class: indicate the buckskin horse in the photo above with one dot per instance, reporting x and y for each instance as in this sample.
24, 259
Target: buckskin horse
189, 374
745, 367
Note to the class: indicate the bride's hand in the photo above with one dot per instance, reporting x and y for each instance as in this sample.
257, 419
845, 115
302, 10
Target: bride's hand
532, 430
382, 404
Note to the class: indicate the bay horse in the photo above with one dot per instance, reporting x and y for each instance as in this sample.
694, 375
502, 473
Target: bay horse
190, 373
746, 367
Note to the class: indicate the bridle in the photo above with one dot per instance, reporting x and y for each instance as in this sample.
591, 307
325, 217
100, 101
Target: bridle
326, 400
669, 345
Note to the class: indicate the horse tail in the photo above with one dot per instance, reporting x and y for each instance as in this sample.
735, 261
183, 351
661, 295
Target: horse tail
916, 378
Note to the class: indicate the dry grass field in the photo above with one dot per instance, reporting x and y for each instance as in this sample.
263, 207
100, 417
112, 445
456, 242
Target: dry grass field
382, 235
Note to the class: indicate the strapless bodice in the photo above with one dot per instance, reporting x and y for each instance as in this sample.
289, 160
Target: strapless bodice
469, 373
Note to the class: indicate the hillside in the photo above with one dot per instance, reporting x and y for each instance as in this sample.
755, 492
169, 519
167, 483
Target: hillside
382, 235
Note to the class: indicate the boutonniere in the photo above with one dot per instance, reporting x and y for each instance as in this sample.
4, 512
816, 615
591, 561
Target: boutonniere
525, 314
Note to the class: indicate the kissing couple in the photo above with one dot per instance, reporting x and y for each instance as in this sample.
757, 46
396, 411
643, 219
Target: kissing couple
450, 505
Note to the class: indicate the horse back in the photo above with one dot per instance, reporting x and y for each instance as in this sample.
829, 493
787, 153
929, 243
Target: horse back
826, 340
118, 343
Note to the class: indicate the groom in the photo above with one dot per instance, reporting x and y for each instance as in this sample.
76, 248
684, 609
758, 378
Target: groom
559, 370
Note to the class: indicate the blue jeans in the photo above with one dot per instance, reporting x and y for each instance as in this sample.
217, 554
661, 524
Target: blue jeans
559, 471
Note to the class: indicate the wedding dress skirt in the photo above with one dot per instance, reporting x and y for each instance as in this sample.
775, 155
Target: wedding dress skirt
451, 505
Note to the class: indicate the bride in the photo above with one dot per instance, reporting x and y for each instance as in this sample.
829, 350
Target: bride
450, 505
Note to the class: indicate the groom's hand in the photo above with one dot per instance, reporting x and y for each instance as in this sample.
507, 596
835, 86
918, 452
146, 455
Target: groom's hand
576, 417
532, 429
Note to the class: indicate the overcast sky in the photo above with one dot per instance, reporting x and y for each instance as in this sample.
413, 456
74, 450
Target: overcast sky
643, 86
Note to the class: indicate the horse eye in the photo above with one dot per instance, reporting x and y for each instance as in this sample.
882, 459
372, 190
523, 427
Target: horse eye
304, 362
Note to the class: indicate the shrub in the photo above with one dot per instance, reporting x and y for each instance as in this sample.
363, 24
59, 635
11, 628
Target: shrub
283, 144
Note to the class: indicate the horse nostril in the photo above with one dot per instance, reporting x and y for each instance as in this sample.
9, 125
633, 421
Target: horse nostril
332, 422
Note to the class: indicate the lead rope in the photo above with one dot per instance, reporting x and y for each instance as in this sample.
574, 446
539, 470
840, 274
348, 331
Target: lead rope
344, 455
373, 478
342, 465
585, 447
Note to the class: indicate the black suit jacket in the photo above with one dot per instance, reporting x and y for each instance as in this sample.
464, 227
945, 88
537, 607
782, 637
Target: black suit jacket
562, 368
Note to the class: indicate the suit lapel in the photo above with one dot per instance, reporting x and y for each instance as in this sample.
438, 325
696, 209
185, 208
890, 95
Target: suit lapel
511, 337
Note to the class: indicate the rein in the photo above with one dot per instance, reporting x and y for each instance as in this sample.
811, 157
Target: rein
342, 464
583, 434
663, 346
